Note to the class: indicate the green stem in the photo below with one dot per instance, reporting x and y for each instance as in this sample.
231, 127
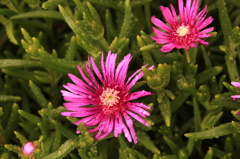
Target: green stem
187, 55
148, 16
104, 44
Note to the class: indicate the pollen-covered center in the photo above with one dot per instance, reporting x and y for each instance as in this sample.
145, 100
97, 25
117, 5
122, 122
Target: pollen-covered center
109, 97
183, 35
182, 30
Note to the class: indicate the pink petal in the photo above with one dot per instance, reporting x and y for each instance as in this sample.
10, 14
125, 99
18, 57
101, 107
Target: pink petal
139, 111
83, 103
162, 40
66, 113
117, 126
138, 94
138, 105
103, 68
125, 130
69, 94
130, 126
180, 8
96, 70
121, 71
167, 48
205, 23
89, 82
134, 80
167, 15
161, 34
98, 119
208, 30
87, 119
110, 64
234, 97
81, 109
236, 84
202, 42
160, 24
134, 76
138, 118
175, 17
109, 128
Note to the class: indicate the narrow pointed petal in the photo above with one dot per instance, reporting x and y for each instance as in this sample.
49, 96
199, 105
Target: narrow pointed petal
167, 48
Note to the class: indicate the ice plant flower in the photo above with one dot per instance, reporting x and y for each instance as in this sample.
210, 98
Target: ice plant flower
28, 148
183, 30
236, 84
102, 100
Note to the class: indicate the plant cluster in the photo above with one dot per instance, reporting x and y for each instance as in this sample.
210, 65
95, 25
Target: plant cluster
139, 79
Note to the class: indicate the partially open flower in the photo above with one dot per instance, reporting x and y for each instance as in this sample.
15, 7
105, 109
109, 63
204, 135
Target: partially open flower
28, 148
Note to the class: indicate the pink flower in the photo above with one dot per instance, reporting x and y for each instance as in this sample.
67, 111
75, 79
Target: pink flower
236, 84
28, 148
101, 98
182, 31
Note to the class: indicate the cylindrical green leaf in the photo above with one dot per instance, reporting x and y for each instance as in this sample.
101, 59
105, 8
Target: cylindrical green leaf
40, 98
57, 140
22, 139
127, 22
39, 14
29, 116
197, 115
16, 63
51, 4
228, 146
65, 132
165, 109
214, 132
72, 49
202, 77
178, 101
224, 19
5, 98
8, 24
145, 141
12, 122
209, 154
65, 149
174, 148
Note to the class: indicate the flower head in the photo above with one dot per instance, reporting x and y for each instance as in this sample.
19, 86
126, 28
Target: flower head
101, 98
236, 84
28, 148
182, 31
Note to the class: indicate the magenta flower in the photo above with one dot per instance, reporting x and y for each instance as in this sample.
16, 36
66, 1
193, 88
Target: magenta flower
236, 84
182, 31
28, 148
101, 98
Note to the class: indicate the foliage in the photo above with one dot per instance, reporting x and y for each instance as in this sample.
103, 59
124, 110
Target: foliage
193, 115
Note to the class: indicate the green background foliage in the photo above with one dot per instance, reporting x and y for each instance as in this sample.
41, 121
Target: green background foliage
193, 115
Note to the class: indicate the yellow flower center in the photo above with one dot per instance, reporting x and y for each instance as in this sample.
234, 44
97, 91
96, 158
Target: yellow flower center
109, 97
183, 30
